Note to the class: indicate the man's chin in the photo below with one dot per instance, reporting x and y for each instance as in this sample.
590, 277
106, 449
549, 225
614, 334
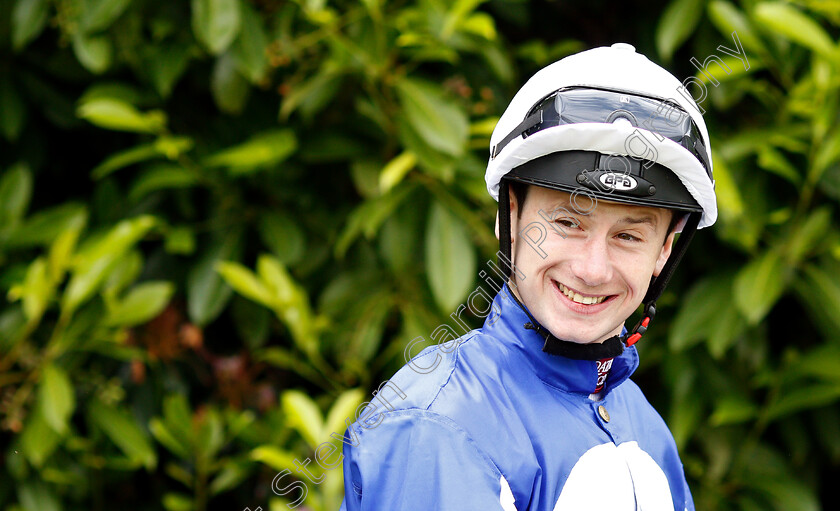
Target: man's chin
578, 339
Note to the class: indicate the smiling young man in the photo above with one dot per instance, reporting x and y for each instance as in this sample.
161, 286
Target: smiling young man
597, 163
587, 278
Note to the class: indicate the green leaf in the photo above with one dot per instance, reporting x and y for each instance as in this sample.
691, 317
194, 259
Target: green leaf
736, 70
115, 114
173, 147
365, 174
685, 418
819, 292
312, 95
43, 227
291, 303
732, 410
803, 397
39, 439
677, 23
303, 415
180, 240
209, 435
94, 52
15, 194
125, 158
167, 439
178, 502
400, 237
274, 457
35, 291
111, 90
283, 236
61, 253
480, 24
774, 161
230, 476
166, 65
263, 150
245, 282
12, 109
97, 15
285, 359
783, 19
438, 120
726, 327
432, 161
249, 50
806, 235
828, 153
57, 397
123, 274
207, 293
122, 429
460, 9
230, 89
12, 324
728, 18
759, 285
822, 363
699, 310
29, 17
450, 258
727, 191
141, 304
369, 216
178, 418
343, 408
161, 177
37, 496
252, 322
334, 147
395, 170
216, 23
96, 260
786, 493
369, 327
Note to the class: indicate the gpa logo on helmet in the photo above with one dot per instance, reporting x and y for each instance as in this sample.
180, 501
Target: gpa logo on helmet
616, 181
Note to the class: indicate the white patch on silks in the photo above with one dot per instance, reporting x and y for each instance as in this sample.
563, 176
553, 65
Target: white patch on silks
616, 478
506, 496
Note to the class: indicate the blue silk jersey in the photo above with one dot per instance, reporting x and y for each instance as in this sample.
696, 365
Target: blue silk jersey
494, 423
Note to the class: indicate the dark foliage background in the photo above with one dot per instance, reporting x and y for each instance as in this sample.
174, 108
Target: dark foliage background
222, 222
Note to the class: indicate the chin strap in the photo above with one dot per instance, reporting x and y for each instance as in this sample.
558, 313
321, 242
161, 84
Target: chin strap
614, 346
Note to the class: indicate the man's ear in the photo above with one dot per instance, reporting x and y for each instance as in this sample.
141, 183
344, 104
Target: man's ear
513, 205
664, 254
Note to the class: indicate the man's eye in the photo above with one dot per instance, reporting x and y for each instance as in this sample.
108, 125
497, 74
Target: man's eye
627, 237
568, 222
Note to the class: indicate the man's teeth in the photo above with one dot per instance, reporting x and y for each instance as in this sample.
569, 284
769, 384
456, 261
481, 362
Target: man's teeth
575, 297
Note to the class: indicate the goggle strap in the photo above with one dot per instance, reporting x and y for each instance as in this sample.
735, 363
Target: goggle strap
523, 126
658, 285
504, 228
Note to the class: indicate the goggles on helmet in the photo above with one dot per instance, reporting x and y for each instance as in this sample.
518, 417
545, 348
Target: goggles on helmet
574, 105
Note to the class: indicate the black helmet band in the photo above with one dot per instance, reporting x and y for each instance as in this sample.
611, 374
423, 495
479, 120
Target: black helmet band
613, 178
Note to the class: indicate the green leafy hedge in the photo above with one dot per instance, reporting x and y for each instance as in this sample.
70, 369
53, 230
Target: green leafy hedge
223, 221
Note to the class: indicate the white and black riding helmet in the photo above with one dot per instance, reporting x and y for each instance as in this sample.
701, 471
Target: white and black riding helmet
610, 124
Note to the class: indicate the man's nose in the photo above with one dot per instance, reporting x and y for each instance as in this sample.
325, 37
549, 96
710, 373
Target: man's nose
592, 262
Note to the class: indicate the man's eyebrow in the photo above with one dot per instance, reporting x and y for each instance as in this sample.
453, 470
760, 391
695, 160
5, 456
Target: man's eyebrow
560, 207
647, 219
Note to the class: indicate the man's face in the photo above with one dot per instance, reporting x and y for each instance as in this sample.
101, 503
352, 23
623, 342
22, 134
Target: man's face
584, 281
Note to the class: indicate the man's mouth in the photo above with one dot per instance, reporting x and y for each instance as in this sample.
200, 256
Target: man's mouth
579, 298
